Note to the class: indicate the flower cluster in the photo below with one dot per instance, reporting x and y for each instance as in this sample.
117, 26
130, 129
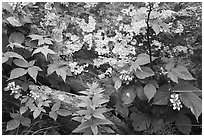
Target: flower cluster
34, 95
126, 76
76, 69
107, 73
15, 89
176, 102
87, 27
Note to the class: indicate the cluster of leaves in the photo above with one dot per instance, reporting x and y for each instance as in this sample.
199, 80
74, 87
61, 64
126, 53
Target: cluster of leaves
140, 52
91, 115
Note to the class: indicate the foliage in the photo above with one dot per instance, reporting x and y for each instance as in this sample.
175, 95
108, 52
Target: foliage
139, 58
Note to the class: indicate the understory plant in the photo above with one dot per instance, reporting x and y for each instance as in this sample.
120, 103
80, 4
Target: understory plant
142, 62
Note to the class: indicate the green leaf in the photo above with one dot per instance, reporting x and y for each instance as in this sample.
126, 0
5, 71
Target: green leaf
13, 55
25, 121
123, 110
16, 37
53, 115
84, 112
4, 59
32, 62
63, 112
14, 21
12, 124
162, 96
56, 106
192, 101
183, 123
17, 45
98, 114
44, 50
36, 112
184, 86
23, 109
94, 129
170, 65
140, 93
182, 72
79, 119
107, 129
150, 90
103, 122
35, 37
156, 27
7, 6
33, 71
17, 72
82, 126
118, 84
146, 72
15, 115
128, 96
140, 122
62, 72
143, 59
173, 76
21, 63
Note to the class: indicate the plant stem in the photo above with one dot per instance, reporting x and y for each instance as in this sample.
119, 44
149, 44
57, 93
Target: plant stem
148, 39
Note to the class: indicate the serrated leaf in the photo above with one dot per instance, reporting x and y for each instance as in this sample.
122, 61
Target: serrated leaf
12, 124
183, 123
94, 129
150, 90
14, 21
25, 121
162, 96
16, 37
140, 93
51, 68
140, 122
56, 106
143, 59
53, 115
192, 101
118, 84
21, 63
33, 71
173, 76
17, 72
146, 72
182, 72
13, 55
44, 50
63, 112
23, 109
